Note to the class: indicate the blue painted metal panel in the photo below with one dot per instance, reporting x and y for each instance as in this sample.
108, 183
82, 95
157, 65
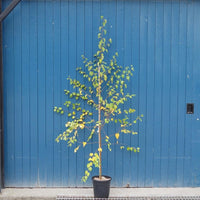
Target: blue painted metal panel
150, 94
9, 104
166, 92
196, 94
72, 64
18, 147
112, 34
119, 47
135, 58
64, 59
33, 77
189, 128
57, 95
41, 87
80, 51
181, 92
92, 8
142, 89
43, 43
158, 91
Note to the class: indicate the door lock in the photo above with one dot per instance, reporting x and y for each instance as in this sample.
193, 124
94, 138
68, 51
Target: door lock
190, 108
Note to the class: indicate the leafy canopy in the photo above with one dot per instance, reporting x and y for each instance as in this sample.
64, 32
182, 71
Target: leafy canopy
104, 91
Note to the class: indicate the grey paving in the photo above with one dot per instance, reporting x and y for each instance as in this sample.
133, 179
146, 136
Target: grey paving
52, 193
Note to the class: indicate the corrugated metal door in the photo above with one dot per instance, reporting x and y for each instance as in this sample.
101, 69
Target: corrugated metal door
42, 44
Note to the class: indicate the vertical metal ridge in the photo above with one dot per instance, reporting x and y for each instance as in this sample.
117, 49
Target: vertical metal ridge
53, 97
162, 85
76, 57
169, 90
123, 61
145, 127
61, 93
1, 105
37, 116
153, 146
68, 69
138, 89
193, 165
178, 92
84, 160
191, 89
115, 41
45, 85
186, 41
29, 100
162, 95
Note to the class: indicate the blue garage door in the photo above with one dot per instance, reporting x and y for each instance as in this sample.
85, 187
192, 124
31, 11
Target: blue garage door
43, 41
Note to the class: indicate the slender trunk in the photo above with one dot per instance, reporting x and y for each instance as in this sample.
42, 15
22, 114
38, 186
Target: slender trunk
99, 119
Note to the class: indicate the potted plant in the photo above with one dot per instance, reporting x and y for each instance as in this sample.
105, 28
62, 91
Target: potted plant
102, 86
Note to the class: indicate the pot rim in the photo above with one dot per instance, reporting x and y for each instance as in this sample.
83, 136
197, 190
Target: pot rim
96, 176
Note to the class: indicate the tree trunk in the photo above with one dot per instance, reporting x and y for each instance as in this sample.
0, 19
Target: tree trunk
99, 119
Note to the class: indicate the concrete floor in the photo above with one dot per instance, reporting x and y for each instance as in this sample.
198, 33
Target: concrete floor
52, 193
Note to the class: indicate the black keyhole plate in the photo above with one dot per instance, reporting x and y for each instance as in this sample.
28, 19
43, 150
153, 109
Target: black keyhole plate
190, 108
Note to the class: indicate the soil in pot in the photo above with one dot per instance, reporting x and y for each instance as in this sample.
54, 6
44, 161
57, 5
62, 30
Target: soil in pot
101, 186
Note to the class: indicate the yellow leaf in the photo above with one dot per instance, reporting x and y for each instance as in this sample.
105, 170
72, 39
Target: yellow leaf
76, 149
84, 143
81, 126
91, 154
117, 135
107, 137
100, 149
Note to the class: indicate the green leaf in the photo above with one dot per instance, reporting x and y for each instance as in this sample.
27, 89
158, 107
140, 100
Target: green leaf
105, 77
126, 111
91, 73
107, 121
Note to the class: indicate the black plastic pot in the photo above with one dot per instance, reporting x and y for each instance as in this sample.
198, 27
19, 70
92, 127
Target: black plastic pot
101, 187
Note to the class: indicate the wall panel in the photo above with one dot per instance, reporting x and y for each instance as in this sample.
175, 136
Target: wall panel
43, 41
